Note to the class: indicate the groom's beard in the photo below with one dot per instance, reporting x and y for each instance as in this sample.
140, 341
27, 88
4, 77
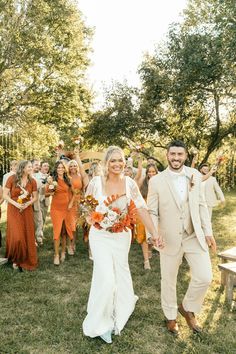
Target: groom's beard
176, 164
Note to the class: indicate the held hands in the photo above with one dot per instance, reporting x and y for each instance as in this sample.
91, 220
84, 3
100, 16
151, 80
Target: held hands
211, 243
157, 241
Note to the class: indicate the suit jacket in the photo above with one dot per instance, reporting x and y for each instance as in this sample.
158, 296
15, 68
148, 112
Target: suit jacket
168, 212
213, 192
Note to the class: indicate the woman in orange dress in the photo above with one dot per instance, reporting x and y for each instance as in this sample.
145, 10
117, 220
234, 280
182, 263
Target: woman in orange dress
151, 170
79, 181
20, 192
62, 201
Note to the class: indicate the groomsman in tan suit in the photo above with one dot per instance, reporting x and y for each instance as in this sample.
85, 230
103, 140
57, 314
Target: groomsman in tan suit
211, 189
181, 216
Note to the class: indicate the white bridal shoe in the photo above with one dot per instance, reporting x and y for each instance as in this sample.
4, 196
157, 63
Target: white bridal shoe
106, 337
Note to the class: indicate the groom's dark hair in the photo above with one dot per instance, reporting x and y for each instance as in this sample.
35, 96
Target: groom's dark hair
177, 143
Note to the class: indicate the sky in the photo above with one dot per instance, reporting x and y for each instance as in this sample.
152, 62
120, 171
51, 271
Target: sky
124, 31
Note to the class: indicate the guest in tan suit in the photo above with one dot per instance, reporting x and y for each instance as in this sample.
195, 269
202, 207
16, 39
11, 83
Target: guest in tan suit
175, 203
211, 189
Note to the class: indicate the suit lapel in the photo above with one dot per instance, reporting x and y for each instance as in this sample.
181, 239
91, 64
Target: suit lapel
171, 186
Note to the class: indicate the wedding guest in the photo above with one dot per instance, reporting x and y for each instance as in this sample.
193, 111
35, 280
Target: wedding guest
112, 299
128, 171
94, 170
45, 168
180, 214
20, 192
79, 181
13, 167
44, 201
151, 170
38, 218
212, 192
62, 201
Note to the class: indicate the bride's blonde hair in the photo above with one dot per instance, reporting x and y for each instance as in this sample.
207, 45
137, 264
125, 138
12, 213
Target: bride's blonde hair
108, 154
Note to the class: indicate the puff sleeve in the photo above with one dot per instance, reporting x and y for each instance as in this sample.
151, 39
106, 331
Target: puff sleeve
135, 195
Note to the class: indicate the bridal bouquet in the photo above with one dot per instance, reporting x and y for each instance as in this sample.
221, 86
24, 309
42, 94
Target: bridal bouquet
108, 215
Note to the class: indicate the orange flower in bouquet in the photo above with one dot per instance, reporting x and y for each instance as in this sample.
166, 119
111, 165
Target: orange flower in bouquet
96, 217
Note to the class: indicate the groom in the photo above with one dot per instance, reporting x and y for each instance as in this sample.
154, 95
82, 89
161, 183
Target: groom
177, 209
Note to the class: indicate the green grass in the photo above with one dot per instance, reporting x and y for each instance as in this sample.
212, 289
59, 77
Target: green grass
41, 312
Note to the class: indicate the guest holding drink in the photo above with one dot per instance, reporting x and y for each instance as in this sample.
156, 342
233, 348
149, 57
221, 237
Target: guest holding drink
20, 192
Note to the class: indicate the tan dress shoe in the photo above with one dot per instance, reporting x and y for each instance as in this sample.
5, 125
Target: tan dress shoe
190, 319
172, 326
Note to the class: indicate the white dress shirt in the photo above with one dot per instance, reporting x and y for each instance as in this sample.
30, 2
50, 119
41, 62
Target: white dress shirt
179, 180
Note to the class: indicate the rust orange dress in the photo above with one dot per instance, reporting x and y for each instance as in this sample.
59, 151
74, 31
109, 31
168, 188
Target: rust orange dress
20, 236
140, 234
77, 186
59, 210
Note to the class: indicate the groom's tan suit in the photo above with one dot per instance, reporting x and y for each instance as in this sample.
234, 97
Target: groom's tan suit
181, 216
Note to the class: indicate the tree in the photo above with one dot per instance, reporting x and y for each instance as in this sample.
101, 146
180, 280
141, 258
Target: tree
43, 60
115, 123
190, 82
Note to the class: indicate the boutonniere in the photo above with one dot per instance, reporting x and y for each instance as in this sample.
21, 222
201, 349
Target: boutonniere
191, 182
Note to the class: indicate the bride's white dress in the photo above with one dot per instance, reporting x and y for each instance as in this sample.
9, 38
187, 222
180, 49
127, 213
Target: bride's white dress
111, 299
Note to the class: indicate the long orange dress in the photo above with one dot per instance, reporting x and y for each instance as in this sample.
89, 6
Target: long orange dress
59, 210
20, 236
77, 186
140, 234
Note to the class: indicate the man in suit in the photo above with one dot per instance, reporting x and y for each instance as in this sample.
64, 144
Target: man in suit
44, 201
211, 189
38, 218
181, 216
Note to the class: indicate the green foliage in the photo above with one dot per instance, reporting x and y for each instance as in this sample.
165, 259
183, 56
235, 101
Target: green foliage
43, 59
42, 311
117, 121
188, 86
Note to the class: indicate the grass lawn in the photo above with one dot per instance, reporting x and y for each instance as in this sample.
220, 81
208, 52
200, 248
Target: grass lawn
42, 312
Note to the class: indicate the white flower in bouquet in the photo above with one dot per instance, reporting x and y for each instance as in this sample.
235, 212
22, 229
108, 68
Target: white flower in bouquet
101, 209
112, 215
105, 223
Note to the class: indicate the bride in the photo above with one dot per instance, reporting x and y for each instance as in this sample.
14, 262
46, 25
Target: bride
112, 299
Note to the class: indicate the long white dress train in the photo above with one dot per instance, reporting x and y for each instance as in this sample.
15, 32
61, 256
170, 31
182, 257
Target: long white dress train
111, 299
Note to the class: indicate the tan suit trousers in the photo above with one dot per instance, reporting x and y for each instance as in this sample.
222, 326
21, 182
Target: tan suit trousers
201, 276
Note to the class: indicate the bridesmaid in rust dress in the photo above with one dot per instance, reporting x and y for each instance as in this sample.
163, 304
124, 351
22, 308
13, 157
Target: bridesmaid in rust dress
20, 192
79, 180
62, 202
